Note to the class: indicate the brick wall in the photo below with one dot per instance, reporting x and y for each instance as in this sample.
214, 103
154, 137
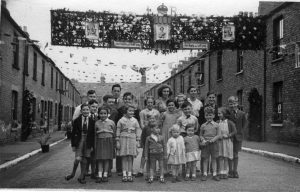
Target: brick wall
11, 79
284, 70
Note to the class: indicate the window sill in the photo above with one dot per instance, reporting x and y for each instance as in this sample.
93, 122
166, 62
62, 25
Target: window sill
277, 60
218, 80
239, 73
276, 125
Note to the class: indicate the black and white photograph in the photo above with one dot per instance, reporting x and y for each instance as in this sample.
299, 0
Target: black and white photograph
149, 95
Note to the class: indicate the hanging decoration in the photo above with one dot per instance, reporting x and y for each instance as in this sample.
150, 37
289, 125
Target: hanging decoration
104, 29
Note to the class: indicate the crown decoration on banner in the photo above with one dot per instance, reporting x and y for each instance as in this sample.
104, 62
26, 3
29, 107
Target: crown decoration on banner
164, 33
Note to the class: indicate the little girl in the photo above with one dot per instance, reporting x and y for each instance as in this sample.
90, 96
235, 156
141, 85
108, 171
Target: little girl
101, 139
175, 151
228, 130
128, 138
192, 154
149, 111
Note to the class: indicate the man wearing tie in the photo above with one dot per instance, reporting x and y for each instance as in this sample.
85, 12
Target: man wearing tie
91, 95
239, 118
116, 92
78, 142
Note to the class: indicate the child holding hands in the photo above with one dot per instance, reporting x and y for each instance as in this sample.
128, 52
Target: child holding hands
209, 134
127, 138
192, 152
228, 130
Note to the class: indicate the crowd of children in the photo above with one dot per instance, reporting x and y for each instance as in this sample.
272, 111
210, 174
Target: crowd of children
175, 138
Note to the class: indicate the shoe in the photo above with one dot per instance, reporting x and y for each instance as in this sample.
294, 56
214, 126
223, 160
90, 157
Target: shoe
177, 179
174, 180
193, 178
167, 174
88, 174
186, 178
150, 180
162, 180
230, 175
235, 175
124, 179
204, 178
120, 174
98, 179
105, 179
139, 174
109, 174
146, 178
216, 178
68, 177
82, 181
130, 179
225, 176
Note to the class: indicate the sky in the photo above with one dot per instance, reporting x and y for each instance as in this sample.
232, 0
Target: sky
35, 14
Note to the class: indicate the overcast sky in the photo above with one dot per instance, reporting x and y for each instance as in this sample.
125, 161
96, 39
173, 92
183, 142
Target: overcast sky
35, 14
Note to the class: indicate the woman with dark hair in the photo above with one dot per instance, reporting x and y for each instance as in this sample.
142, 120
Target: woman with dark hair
164, 93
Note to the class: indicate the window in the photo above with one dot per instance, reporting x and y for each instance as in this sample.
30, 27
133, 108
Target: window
51, 84
33, 109
277, 38
277, 102
26, 61
240, 60
190, 77
55, 112
297, 55
219, 65
174, 84
182, 83
50, 109
43, 72
34, 66
14, 105
15, 44
42, 109
219, 100
239, 94
200, 73
56, 81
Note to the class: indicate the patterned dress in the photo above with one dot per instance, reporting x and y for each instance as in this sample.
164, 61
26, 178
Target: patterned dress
225, 145
128, 133
145, 113
168, 119
176, 151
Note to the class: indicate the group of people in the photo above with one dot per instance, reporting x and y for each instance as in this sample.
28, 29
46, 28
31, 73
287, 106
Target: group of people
174, 133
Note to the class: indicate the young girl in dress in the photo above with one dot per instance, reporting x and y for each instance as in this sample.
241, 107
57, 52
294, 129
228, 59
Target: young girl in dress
175, 152
228, 130
128, 138
192, 152
101, 139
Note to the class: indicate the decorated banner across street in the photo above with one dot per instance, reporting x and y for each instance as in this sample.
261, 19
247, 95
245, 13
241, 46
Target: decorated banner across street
156, 32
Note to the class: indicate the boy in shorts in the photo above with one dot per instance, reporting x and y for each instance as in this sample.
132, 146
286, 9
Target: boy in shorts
209, 134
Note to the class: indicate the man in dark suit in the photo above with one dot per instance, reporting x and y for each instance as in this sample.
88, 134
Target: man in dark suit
78, 142
239, 118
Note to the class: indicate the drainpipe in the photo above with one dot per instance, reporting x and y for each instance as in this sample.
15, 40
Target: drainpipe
265, 97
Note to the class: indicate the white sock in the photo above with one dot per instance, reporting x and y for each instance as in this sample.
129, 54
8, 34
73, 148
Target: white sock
187, 175
99, 174
205, 173
214, 173
129, 174
193, 175
105, 174
124, 173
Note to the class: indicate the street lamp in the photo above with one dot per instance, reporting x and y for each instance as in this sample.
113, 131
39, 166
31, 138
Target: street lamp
61, 91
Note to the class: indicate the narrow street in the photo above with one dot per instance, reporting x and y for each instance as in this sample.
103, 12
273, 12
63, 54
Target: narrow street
47, 170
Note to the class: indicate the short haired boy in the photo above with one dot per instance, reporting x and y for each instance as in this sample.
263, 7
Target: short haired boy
239, 118
187, 120
209, 134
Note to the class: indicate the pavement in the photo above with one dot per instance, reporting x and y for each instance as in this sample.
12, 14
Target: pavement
11, 154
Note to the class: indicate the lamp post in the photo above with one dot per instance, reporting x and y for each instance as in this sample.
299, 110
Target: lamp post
61, 91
